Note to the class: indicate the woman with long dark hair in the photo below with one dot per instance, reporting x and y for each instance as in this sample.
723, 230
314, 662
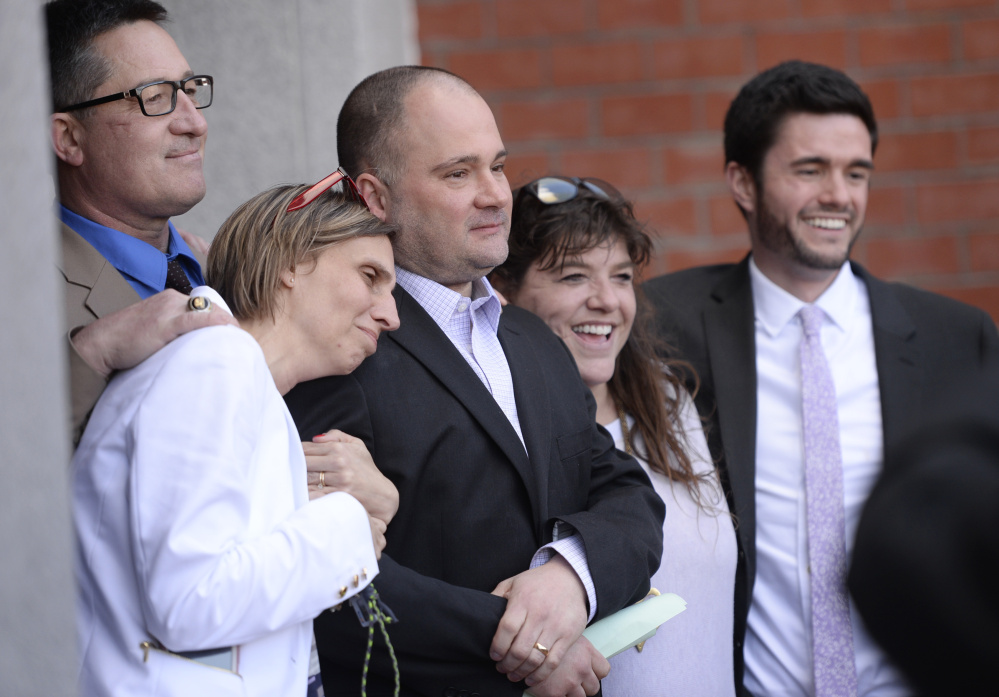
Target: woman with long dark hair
575, 250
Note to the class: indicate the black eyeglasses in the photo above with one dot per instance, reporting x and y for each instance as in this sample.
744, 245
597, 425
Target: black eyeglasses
552, 190
160, 98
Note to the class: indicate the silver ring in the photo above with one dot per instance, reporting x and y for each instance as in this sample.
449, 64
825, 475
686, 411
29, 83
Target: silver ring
322, 480
199, 303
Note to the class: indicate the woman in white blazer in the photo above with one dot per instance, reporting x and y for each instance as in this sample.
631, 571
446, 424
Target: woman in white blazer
202, 560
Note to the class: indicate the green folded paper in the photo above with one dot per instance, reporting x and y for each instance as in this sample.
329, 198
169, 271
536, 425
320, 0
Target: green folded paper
632, 625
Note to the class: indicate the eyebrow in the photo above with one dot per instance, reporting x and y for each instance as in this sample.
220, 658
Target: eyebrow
465, 160
816, 160
189, 73
576, 263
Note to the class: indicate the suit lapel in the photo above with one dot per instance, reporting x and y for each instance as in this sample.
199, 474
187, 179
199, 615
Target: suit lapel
84, 266
420, 336
533, 410
731, 345
898, 358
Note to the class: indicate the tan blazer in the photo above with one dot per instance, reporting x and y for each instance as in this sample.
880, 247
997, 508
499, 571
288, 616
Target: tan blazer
94, 289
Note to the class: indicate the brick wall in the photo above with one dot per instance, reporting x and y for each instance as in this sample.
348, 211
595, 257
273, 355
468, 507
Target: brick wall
635, 91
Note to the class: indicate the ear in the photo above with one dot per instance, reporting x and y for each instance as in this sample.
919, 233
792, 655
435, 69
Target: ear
67, 138
288, 278
375, 194
742, 186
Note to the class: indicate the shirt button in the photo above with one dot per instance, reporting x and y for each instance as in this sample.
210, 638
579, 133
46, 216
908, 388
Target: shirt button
462, 307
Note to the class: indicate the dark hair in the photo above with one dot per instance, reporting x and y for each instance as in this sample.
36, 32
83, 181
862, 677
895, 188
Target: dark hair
374, 114
545, 236
76, 68
758, 111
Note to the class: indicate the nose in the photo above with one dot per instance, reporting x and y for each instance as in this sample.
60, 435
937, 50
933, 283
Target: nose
384, 312
603, 297
494, 192
835, 192
186, 118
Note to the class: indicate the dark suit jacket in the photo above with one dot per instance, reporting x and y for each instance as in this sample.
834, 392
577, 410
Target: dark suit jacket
923, 573
474, 506
923, 343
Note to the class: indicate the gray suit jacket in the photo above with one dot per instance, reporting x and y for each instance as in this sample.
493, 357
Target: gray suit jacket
923, 343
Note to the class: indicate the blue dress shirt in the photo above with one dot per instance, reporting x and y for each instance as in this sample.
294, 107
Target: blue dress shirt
140, 263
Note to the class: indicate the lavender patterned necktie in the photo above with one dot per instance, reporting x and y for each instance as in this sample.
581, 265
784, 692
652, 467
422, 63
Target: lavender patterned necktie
832, 633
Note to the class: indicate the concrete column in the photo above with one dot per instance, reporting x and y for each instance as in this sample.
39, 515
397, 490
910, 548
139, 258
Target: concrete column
37, 596
282, 70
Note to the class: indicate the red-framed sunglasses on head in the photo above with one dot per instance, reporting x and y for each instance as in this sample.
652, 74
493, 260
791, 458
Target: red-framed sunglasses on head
314, 191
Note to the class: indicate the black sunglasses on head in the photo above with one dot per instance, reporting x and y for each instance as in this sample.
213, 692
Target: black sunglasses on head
553, 190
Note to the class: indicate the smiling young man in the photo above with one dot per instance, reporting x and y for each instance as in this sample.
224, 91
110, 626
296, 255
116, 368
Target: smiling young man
810, 371
518, 521
129, 138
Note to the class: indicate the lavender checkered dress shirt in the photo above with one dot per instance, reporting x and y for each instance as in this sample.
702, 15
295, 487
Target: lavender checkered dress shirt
471, 325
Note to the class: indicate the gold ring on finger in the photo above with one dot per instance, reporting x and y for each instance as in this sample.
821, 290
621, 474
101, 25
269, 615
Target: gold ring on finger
540, 647
322, 480
199, 303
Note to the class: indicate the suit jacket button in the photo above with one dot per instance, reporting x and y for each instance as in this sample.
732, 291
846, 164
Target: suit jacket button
450, 692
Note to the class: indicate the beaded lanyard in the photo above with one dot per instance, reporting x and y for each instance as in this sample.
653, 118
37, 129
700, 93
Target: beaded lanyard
370, 611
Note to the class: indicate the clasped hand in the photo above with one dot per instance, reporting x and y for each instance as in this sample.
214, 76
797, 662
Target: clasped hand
547, 606
346, 465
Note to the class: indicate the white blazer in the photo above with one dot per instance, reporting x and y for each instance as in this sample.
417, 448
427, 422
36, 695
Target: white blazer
195, 530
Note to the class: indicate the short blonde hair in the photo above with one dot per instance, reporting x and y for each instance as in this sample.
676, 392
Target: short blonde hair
261, 239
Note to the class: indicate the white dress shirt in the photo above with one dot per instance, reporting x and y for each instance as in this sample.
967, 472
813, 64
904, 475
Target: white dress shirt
471, 325
691, 655
778, 638
195, 531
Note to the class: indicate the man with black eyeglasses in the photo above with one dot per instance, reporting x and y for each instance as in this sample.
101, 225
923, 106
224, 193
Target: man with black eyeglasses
129, 138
